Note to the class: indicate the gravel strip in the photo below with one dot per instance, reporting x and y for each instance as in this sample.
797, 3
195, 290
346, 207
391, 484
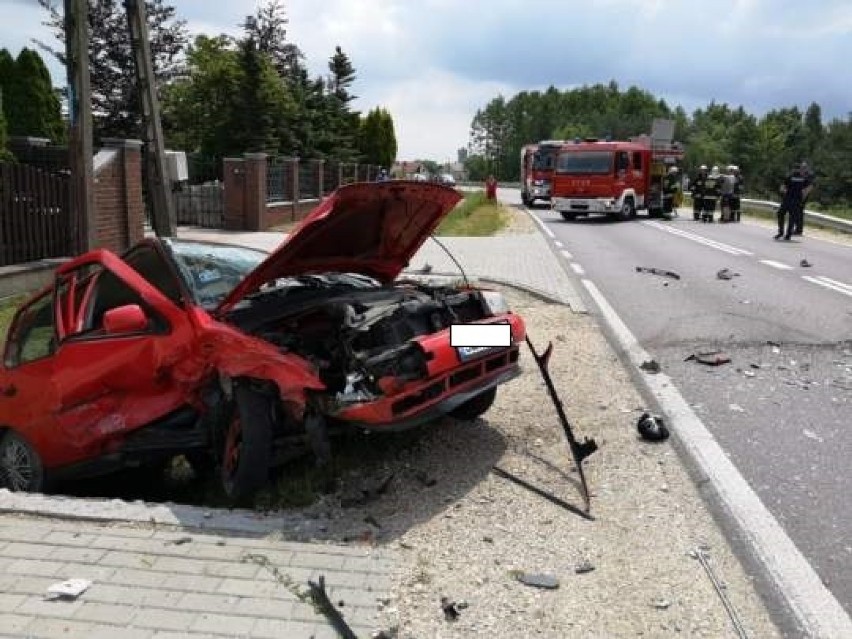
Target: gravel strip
519, 222
466, 533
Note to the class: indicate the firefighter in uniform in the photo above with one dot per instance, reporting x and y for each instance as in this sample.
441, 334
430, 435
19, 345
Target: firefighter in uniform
738, 193
726, 189
671, 191
712, 187
697, 187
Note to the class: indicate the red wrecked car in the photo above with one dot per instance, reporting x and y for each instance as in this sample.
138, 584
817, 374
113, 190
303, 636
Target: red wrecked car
229, 355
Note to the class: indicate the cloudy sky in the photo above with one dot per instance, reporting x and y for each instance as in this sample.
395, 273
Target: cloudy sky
432, 63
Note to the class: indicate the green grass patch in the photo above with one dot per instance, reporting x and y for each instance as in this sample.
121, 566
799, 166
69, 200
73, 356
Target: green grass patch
474, 216
8, 306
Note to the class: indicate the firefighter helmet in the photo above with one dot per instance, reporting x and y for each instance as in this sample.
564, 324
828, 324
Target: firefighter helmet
703, 167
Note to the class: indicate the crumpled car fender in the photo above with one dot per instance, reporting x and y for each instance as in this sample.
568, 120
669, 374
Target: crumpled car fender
229, 352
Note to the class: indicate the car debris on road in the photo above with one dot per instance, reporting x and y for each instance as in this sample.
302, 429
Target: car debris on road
709, 358
658, 271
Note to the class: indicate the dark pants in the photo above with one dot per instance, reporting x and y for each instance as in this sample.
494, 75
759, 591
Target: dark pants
799, 225
791, 210
735, 208
696, 205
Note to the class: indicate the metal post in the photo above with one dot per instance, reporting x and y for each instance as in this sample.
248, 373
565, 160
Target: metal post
162, 209
80, 134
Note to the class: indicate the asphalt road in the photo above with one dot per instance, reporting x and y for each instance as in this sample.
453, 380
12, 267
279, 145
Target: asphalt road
782, 409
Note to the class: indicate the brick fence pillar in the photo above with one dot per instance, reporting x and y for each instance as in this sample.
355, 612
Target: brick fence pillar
119, 204
234, 174
255, 192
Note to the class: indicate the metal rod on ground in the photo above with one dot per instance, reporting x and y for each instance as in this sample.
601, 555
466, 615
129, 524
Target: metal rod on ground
698, 553
321, 601
80, 115
162, 209
578, 451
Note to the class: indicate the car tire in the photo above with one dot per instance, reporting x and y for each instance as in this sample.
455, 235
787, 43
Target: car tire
21, 469
569, 217
628, 210
475, 407
248, 445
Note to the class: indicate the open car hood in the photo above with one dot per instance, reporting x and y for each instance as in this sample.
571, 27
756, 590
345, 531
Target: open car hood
369, 228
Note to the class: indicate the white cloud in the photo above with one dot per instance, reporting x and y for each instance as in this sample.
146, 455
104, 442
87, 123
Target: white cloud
432, 63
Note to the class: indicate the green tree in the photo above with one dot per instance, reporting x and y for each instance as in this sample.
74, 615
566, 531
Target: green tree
263, 106
343, 124
31, 105
116, 107
377, 139
5, 156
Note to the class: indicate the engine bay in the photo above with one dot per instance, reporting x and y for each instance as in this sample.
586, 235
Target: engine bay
356, 335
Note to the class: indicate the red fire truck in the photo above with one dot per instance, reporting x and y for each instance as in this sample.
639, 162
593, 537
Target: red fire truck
614, 178
537, 163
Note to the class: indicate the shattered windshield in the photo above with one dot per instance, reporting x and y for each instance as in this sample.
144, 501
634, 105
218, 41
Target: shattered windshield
211, 271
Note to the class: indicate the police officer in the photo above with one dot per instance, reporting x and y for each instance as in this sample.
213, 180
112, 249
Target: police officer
697, 186
795, 189
800, 214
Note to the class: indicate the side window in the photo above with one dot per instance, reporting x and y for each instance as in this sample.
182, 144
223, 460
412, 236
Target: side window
86, 294
151, 265
637, 160
33, 335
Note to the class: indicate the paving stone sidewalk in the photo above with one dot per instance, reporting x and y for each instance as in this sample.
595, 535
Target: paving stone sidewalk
154, 583
524, 259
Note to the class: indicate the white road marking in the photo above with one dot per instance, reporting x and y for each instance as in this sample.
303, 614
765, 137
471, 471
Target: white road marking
778, 265
813, 605
577, 268
829, 283
721, 246
542, 225
567, 255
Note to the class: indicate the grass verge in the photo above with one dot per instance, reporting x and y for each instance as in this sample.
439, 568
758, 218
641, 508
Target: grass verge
8, 306
474, 216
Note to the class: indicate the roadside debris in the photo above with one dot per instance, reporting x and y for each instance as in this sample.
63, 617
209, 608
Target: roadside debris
323, 605
583, 567
736, 408
179, 541
579, 451
812, 435
650, 366
699, 554
726, 274
69, 589
710, 358
541, 493
805, 264
451, 611
652, 428
661, 604
657, 271
537, 580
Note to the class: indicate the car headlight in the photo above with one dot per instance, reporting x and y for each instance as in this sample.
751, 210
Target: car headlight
495, 302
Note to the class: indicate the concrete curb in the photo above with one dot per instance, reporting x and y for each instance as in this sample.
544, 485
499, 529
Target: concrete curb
244, 522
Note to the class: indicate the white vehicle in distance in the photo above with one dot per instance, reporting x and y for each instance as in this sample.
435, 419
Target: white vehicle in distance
448, 179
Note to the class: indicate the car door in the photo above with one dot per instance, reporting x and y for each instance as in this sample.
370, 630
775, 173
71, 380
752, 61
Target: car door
27, 392
119, 339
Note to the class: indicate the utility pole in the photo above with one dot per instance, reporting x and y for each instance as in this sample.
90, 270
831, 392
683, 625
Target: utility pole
80, 112
162, 209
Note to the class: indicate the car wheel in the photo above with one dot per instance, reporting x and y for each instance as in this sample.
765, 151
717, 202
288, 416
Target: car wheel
628, 210
476, 406
20, 465
248, 441
569, 217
